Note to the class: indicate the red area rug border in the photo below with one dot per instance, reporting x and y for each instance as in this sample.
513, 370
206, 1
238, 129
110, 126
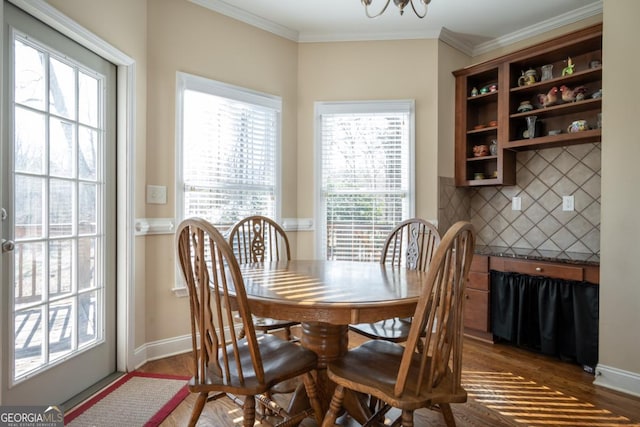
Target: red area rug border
153, 421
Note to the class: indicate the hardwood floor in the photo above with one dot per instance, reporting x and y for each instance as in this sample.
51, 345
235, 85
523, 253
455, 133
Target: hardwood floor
507, 386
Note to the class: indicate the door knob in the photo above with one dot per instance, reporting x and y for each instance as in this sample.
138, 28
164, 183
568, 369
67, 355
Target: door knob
8, 245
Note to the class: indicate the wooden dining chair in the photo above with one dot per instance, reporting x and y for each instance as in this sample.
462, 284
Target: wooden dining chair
261, 239
399, 375
224, 364
410, 244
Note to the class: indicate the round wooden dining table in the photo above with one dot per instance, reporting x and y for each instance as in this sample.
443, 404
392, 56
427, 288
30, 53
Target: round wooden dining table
327, 296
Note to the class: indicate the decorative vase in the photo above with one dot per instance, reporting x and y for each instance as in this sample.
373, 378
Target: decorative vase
547, 72
531, 126
493, 147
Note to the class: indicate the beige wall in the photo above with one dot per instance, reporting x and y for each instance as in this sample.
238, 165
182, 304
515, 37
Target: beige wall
620, 252
368, 71
449, 59
123, 24
185, 37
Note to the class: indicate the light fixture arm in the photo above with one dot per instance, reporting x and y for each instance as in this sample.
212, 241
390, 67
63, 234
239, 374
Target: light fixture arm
426, 8
367, 3
401, 4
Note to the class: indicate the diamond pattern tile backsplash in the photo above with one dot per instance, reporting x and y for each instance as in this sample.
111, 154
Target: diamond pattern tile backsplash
543, 177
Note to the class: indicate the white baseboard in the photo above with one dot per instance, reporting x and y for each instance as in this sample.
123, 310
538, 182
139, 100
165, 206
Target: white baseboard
617, 379
163, 348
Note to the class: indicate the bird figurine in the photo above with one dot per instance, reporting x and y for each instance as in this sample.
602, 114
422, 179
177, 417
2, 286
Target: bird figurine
550, 98
573, 95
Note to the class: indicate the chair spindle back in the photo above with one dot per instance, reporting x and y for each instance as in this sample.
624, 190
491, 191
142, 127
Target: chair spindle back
213, 277
411, 243
259, 239
438, 316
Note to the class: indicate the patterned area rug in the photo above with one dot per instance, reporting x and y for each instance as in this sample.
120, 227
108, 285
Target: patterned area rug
136, 399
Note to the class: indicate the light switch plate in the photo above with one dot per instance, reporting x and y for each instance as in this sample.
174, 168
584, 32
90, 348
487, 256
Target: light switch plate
516, 204
567, 203
156, 194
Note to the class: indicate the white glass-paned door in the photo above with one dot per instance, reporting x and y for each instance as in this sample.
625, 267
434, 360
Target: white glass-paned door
57, 301
58, 156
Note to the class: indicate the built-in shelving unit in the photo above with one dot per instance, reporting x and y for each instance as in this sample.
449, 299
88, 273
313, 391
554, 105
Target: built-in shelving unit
494, 90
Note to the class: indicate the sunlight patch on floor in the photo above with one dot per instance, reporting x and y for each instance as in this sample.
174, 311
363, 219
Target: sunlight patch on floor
533, 404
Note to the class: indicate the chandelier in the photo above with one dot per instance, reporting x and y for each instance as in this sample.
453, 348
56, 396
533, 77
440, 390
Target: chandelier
400, 4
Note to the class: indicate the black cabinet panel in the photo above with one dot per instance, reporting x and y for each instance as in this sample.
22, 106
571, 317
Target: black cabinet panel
553, 316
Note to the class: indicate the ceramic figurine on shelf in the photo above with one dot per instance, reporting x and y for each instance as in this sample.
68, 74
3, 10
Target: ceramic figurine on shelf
480, 150
525, 106
597, 94
573, 95
569, 68
549, 98
474, 91
528, 77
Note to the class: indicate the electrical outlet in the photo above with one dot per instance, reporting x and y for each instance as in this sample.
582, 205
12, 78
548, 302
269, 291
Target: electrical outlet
157, 194
567, 203
516, 204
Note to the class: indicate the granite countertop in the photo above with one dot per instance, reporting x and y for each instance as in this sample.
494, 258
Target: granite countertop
539, 255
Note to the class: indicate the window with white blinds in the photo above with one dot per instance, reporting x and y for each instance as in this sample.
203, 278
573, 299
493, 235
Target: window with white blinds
228, 139
366, 175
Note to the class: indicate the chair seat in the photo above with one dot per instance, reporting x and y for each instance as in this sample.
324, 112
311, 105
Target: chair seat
394, 330
372, 368
281, 360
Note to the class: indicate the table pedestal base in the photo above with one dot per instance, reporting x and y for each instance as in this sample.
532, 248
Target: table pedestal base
330, 342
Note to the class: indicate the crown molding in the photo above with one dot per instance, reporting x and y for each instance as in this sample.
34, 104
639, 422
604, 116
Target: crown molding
450, 37
248, 18
540, 28
377, 36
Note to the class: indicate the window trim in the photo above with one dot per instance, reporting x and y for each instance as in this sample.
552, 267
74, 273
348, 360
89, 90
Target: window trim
185, 81
350, 107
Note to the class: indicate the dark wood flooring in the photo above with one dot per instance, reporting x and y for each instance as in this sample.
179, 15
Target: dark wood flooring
507, 386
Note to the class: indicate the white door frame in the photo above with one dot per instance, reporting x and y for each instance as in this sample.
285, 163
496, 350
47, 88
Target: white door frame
125, 166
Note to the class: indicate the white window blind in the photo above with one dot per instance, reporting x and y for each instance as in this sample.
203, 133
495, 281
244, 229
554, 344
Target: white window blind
366, 176
229, 157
